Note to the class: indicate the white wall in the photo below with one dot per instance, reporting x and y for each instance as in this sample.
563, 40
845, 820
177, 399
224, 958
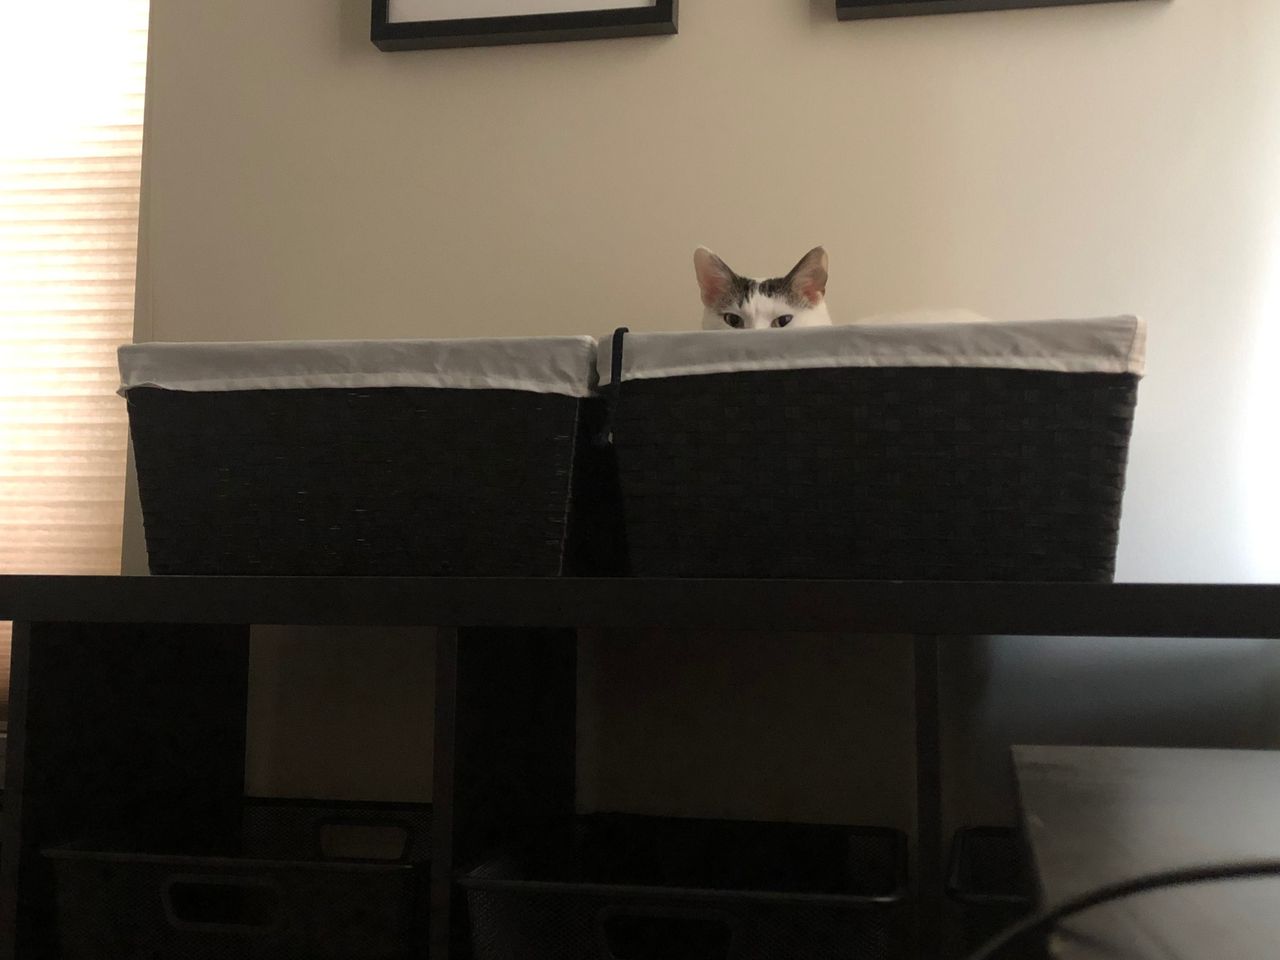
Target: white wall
1072, 161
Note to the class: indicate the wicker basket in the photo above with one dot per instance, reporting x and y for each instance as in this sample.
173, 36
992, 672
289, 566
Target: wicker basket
988, 887
302, 881
872, 472
374, 480
650, 888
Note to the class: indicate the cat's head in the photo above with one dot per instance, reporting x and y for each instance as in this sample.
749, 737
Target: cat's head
741, 303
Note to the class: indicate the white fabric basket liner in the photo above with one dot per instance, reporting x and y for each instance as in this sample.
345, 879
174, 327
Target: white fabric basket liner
562, 365
1108, 345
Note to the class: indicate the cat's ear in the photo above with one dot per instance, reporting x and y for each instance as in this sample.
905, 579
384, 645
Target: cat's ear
808, 278
715, 279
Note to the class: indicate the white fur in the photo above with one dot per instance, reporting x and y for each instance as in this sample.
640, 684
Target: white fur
760, 312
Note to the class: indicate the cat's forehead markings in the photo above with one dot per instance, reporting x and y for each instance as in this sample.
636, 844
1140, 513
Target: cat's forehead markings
773, 287
743, 288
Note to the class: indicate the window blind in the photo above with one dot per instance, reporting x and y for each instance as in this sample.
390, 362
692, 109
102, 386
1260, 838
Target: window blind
70, 162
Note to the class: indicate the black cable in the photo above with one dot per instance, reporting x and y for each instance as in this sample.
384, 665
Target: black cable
1044, 921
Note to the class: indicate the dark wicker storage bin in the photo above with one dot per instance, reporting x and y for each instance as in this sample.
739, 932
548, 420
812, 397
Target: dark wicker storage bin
301, 882
622, 887
911, 472
988, 886
378, 481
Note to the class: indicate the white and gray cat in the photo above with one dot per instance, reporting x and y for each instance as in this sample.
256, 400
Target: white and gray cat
732, 302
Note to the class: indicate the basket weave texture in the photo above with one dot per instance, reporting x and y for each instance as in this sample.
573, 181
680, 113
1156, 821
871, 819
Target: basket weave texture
653, 887
376, 482
268, 893
899, 473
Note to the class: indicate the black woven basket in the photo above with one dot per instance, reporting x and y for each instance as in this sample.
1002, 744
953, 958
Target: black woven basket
988, 887
378, 482
622, 887
875, 473
301, 881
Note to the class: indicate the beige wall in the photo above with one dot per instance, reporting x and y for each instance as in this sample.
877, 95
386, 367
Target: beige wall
793, 727
1074, 161
341, 713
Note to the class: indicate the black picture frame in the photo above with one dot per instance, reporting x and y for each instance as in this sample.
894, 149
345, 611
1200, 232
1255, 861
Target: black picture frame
661, 18
866, 9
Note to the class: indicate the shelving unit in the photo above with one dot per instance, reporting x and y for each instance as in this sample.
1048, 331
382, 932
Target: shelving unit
128, 694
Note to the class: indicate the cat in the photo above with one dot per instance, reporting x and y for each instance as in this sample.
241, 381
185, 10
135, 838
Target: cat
732, 302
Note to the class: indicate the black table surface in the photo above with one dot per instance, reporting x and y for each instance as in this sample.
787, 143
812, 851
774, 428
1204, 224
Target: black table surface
1094, 815
879, 606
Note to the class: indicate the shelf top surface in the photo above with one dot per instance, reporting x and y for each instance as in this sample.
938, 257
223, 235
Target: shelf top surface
868, 606
1099, 815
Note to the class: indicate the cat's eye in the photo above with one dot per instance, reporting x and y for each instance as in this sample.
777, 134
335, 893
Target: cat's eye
732, 319
782, 321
